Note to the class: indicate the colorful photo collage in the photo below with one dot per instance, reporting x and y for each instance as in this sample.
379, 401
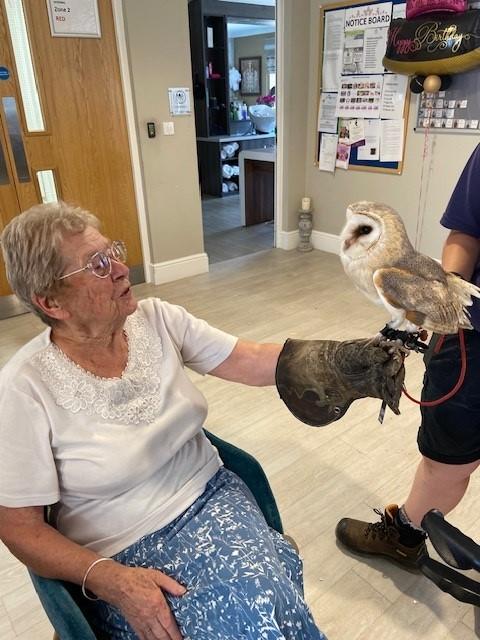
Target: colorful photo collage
356, 95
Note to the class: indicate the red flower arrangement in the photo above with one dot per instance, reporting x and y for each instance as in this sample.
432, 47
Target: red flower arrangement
268, 100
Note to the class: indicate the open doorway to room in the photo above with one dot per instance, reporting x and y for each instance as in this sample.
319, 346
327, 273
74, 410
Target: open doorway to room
234, 79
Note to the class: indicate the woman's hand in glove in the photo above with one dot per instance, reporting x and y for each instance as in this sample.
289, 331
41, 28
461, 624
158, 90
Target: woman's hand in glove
319, 379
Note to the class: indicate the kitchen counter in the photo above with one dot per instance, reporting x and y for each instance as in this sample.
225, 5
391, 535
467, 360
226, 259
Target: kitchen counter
257, 185
226, 139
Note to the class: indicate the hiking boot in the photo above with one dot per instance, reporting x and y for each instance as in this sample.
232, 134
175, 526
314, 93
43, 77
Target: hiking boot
388, 538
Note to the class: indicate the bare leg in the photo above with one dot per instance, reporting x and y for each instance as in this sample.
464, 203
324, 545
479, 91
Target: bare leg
437, 486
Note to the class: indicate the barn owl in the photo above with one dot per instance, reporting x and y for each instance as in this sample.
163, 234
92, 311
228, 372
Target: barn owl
416, 291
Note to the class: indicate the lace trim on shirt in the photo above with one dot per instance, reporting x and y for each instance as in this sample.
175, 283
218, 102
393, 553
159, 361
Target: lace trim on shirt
133, 398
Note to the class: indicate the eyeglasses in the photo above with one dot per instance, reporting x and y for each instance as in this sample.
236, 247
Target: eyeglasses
100, 264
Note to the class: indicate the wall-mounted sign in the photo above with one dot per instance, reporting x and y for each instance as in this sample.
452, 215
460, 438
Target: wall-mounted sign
368, 16
74, 18
179, 99
4, 73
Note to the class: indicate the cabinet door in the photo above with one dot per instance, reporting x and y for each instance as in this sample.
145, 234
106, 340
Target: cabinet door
210, 167
259, 191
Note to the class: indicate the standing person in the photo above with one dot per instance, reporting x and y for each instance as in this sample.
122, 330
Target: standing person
449, 434
100, 422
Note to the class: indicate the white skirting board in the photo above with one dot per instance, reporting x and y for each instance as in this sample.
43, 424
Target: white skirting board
180, 268
322, 241
198, 263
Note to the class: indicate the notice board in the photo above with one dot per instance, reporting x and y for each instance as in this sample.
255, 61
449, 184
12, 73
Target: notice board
362, 108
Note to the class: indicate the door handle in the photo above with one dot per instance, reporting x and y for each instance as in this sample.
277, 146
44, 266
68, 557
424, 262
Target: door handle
16, 141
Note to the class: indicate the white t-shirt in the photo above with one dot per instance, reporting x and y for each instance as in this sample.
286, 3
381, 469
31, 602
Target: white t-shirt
121, 457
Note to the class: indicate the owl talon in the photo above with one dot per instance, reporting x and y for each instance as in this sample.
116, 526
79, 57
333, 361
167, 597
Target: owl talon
411, 341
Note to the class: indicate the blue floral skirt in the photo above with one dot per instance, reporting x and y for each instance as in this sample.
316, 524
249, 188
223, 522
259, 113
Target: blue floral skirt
244, 579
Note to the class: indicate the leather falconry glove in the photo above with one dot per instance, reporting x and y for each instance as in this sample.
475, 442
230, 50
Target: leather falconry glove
319, 379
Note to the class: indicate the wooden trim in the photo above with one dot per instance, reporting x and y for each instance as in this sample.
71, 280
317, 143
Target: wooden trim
123, 61
36, 184
280, 93
321, 22
16, 78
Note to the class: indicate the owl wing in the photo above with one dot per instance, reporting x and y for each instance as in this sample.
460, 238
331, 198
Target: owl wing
428, 303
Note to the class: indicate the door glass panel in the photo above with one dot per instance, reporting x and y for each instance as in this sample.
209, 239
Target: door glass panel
46, 182
23, 60
3, 168
16, 141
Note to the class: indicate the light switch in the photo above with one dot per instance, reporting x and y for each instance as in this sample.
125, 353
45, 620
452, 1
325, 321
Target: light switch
151, 129
168, 129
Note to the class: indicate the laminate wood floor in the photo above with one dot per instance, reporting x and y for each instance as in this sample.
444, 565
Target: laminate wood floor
317, 475
224, 236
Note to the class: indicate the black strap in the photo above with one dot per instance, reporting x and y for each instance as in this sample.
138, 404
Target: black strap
450, 581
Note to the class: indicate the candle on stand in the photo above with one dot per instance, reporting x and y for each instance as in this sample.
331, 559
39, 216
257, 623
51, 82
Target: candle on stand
306, 204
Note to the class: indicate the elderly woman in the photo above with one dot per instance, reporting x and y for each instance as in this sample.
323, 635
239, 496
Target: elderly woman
99, 421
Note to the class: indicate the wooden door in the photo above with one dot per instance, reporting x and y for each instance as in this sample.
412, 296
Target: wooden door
259, 191
17, 189
84, 140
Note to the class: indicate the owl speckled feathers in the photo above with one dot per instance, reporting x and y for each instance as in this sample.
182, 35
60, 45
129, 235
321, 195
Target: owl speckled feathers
379, 258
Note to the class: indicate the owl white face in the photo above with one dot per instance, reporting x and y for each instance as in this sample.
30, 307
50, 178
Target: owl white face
359, 234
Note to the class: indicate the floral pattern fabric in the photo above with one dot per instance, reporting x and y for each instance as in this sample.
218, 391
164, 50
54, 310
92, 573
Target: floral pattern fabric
244, 580
132, 398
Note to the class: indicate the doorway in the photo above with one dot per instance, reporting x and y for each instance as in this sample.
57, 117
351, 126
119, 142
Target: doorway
233, 225
63, 132
234, 84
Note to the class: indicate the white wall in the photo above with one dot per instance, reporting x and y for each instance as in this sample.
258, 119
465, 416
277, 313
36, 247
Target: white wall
158, 43
295, 96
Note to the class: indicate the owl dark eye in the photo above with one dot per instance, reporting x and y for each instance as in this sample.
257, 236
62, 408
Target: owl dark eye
364, 230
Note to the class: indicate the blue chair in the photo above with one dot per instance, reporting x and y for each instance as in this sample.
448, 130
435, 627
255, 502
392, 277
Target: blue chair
62, 601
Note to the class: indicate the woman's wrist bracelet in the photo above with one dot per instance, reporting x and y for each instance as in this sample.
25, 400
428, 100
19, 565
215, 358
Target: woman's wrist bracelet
84, 581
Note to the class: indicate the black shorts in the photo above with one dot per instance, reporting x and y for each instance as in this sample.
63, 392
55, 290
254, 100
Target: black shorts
450, 432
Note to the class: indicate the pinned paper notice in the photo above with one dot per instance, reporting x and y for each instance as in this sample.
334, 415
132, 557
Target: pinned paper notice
179, 99
343, 156
391, 140
328, 152
371, 149
327, 120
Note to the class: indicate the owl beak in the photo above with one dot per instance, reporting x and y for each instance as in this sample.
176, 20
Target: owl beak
347, 243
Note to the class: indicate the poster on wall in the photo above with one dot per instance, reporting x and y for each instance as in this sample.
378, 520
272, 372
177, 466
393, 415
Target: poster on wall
370, 102
393, 96
368, 16
74, 18
333, 47
366, 29
179, 101
327, 120
371, 149
364, 50
391, 140
360, 96
328, 152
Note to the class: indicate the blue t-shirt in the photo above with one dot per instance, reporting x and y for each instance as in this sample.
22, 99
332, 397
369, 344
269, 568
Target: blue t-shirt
463, 214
